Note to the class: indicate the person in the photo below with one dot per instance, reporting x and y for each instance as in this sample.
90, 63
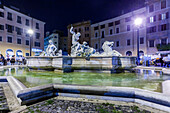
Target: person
161, 61
12, 61
19, 60
2, 59
23, 60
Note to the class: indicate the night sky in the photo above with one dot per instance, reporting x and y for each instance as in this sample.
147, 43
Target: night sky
59, 13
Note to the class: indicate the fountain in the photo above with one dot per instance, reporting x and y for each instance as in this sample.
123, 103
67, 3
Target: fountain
82, 58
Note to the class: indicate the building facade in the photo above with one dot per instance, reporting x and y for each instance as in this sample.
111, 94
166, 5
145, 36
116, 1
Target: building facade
122, 31
85, 30
14, 37
63, 45
158, 27
154, 33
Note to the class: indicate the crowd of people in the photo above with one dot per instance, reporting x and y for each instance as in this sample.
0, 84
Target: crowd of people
20, 60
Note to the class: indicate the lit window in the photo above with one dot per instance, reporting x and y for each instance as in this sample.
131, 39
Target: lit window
163, 16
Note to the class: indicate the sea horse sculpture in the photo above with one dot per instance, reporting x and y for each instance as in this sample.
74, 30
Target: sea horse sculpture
108, 51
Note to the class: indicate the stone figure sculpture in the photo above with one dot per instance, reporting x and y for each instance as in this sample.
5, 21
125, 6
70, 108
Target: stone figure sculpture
84, 50
51, 50
78, 49
108, 51
76, 45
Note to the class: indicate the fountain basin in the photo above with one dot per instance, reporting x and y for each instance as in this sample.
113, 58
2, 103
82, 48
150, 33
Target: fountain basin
70, 64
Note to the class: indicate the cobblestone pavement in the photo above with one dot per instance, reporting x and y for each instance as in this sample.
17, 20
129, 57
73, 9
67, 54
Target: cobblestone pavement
67, 106
3, 101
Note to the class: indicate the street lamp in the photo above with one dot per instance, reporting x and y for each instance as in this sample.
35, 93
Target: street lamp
138, 22
30, 32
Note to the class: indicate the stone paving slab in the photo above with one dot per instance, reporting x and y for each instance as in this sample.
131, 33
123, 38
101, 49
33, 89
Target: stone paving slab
4, 108
60, 105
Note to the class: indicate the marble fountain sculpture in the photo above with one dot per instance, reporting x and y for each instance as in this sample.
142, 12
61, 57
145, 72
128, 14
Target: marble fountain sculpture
82, 58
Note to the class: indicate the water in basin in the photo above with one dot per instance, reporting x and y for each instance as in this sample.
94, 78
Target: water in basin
143, 79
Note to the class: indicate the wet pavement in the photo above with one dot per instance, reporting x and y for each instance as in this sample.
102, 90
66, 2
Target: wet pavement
68, 106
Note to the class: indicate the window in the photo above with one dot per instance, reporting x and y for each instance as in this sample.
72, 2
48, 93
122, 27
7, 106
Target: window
128, 27
86, 35
37, 35
152, 19
1, 14
167, 15
128, 42
117, 30
164, 41
9, 28
1, 38
9, 39
19, 19
117, 22
27, 23
142, 40
151, 8
117, 43
9, 16
96, 34
86, 28
110, 24
102, 34
96, 28
128, 19
27, 54
163, 16
19, 30
151, 43
111, 31
102, 26
163, 4
18, 41
96, 46
37, 44
79, 29
163, 27
27, 43
37, 26
1, 27
151, 29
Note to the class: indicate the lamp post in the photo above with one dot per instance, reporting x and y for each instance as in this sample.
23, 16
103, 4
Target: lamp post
30, 32
138, 22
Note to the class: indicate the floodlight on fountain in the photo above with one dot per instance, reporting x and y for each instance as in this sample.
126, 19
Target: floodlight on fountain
138, 21
30, 32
